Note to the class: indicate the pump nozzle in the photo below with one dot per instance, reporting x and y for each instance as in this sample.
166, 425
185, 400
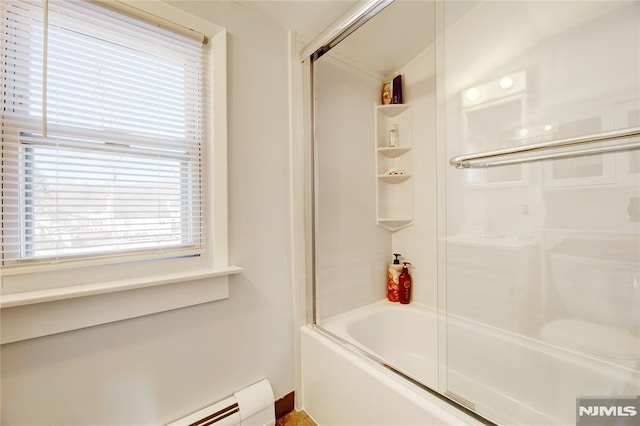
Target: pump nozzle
396, 261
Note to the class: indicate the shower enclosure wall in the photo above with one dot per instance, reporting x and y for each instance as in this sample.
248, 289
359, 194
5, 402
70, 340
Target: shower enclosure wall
525, 254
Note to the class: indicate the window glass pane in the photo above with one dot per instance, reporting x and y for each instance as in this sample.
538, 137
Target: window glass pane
79, 201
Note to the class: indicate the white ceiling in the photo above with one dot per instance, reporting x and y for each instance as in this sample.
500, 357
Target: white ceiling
391, 39
381, 47
306, 17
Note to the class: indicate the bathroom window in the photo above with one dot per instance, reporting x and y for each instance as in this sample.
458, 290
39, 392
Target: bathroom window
106, 147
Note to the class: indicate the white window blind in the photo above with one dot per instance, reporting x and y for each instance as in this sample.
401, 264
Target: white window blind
102, 132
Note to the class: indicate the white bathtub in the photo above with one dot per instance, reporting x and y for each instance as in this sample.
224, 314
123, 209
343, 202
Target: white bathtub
527, 382
403, 336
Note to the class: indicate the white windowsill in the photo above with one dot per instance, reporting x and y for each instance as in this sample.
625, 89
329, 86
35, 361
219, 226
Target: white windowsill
42, 313
60, 293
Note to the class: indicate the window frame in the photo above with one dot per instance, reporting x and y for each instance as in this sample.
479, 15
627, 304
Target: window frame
200, 279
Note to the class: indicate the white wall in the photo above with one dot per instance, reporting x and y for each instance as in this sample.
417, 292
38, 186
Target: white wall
352, 250
153, 369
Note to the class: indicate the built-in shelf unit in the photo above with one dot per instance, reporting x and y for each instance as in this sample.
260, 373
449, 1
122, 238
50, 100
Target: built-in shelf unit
394, 184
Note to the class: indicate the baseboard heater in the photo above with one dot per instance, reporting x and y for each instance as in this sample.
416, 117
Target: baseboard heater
251, 406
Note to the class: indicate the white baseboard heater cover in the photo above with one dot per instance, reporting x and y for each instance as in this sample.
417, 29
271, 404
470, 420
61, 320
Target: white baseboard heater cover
251, 406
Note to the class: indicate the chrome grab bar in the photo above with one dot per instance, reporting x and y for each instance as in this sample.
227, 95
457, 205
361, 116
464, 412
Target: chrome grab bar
497, 157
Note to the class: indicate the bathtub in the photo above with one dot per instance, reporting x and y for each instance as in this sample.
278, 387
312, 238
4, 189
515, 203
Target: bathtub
347, 379
405, 337
345, 375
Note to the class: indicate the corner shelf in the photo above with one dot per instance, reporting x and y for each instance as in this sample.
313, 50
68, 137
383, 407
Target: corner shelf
393, 110
393, 179
394, 224
391, 152
394, 183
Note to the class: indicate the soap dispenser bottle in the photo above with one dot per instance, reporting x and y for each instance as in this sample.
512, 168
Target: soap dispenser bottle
393, 278
393, 136
404, 286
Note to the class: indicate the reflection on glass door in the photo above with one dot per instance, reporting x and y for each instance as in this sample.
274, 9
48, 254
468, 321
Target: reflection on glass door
542, 257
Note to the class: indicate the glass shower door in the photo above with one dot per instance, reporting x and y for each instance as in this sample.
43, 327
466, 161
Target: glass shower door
541, 280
